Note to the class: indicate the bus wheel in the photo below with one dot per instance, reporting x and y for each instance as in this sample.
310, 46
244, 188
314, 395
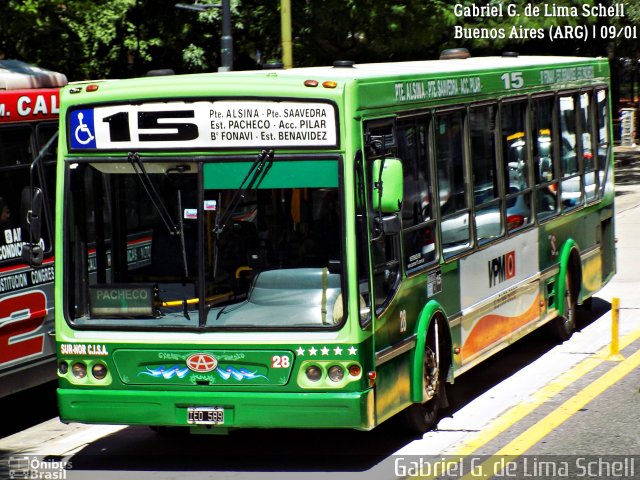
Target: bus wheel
566, 323
421, 417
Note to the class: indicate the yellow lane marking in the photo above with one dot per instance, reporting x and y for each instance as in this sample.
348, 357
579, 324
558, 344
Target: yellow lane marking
564, 412
517, 413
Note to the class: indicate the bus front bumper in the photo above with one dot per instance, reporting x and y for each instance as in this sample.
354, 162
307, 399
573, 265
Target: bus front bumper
241, 410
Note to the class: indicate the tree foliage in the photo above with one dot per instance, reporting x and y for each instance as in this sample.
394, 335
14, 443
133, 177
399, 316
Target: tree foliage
122, 38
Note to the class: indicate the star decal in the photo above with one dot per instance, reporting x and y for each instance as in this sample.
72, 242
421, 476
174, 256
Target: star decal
300, 351
313, 351
337, 351
353, 350
324, 351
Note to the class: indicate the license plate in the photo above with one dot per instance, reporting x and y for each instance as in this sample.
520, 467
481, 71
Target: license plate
205, 415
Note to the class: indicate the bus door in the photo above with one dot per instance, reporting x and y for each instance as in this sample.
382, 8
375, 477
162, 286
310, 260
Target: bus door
384, 188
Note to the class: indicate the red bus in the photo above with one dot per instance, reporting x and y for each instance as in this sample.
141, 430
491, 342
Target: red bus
29, 107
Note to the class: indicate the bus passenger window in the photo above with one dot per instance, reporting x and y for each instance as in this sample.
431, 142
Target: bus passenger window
516, 164
454, 210
486, 192
589, 182
570, 188
602, 131
543, 166
417, 216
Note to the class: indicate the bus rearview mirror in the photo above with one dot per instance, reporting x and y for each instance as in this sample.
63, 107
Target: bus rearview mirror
31, 217
387, 185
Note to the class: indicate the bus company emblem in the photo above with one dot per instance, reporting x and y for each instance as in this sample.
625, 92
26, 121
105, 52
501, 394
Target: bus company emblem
502, 268
202, 362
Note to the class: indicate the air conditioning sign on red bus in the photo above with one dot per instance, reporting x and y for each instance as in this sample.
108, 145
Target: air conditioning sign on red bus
26, 105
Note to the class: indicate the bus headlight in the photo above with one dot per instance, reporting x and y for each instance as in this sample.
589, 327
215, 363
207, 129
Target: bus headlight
99, 371
63, 367
328, 374
79, 370
335, 373
314, 373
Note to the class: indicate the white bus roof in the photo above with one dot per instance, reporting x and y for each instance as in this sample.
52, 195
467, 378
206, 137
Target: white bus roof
427, 67
15, 74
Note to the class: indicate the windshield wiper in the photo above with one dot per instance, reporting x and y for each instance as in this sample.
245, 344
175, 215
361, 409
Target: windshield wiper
152, 193
252, 175
248, 183
156, 200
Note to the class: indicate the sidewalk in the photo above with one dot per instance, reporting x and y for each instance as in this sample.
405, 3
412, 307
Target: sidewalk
627, 177
624, 155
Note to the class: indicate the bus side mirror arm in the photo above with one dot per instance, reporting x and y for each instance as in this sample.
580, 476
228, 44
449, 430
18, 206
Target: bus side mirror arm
32, 251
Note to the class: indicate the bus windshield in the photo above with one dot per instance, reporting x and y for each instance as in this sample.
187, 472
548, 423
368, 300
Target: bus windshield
264, 252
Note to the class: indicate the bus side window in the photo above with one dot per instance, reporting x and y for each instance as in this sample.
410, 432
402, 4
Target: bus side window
544, 172
588, 160
484, 165
602, 136
417, 210
454, 209
516, 164
570, 187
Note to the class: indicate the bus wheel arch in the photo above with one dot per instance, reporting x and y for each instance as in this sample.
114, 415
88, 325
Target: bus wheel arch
568, 288
431, 361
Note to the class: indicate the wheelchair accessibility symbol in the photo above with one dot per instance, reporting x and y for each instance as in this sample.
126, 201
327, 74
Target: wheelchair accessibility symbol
82, 129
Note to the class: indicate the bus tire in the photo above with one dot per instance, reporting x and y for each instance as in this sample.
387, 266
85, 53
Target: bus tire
565, 324
422, 417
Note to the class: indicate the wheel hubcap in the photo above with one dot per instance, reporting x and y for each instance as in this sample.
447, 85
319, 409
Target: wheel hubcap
431, 374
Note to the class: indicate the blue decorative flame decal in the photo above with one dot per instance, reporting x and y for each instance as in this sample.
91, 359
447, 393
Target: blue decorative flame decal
225, 373
239, 375
166, 373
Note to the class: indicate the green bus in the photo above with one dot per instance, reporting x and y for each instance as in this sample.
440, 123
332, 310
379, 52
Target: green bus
322, 247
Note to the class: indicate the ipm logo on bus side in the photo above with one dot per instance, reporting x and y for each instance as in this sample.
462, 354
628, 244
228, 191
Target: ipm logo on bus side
502, 268
82, 129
